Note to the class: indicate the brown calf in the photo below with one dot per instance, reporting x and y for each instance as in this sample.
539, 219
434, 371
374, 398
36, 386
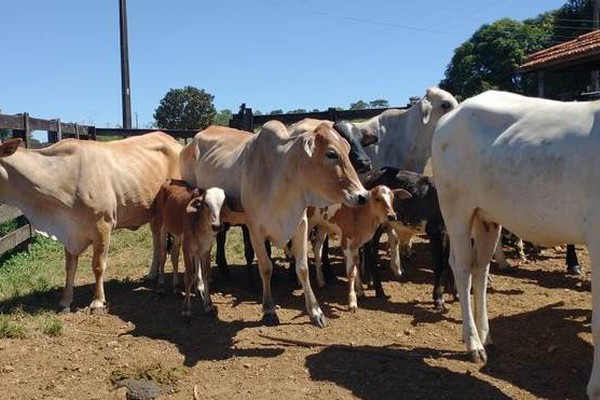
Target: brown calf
192, 216
354, 226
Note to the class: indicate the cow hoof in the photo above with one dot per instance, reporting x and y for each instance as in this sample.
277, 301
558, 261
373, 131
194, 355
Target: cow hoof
319, 320
352, 309
211, 312
478, 356
98, 310
63, 310
575, 270
270, 319
438, 305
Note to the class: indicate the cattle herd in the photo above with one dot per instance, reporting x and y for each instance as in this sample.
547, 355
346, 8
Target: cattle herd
498, 160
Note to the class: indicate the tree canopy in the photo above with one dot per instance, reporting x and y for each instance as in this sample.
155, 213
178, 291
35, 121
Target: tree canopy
186, 108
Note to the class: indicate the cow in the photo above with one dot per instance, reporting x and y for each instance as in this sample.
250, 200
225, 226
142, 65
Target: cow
355, 227
276, 176
530, 164
359, 159
80, 191
193, 216
420, 214
403, 137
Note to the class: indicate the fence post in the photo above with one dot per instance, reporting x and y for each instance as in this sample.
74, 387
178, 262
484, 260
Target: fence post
76, 131
332, 114
248, 121
55, 136
92, 133
24, 133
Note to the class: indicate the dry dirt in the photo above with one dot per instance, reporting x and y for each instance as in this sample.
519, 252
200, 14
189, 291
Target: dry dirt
400, 348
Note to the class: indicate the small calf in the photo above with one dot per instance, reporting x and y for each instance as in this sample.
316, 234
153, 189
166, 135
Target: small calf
418, 215
192, 216
354, 226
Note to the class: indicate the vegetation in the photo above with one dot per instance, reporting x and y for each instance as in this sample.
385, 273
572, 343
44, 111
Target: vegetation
187, 108
490, 59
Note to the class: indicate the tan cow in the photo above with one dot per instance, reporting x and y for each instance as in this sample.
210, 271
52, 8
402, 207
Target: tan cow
276, 177
355, 227
79, 191
193, 217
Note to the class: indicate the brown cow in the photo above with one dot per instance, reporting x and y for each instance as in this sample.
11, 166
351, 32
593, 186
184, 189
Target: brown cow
355, 227
79, 191
192, 216
276, 177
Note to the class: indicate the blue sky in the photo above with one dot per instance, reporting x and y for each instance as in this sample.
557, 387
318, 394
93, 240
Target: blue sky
61, 58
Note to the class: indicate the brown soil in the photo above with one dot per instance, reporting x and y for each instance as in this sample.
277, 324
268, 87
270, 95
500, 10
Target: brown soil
400, 348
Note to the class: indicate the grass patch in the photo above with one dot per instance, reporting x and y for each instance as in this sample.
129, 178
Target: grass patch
10, 329
153, 372
50, 325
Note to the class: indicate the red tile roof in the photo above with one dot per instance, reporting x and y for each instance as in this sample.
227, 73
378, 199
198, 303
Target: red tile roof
566, 53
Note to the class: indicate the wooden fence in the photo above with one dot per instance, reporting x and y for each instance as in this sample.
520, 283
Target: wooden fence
22, 126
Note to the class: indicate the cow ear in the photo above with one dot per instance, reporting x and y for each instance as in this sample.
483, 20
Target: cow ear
309, 146
368, 137
426, 108
9, 147
401, 194
195, 204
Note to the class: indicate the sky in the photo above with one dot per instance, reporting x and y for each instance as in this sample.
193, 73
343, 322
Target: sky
62, 58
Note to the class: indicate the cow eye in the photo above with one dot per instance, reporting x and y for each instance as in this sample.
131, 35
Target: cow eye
332, 155
446, 105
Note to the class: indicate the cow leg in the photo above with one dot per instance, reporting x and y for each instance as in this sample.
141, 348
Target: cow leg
162, 259
265, 267
461, 261
394, 244
351, 258
520, 249
327, 269
176, 246
593, 387
99, 258
372, 268
573, 267
500, 257
299, 247
318, 252
203, 276
191, 272
249, 255
155, 228
436, 246
220, 256
485, 236
70, 269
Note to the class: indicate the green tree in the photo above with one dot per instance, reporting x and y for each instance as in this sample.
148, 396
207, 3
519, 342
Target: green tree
277, 111
222, 118
491, 57
297, 111
187, 108
359, 105
379, 103
572, 20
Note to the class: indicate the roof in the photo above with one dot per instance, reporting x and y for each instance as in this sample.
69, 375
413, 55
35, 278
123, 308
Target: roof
583, 49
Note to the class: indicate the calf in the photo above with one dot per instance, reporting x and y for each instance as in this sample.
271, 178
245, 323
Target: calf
355, 226
418, 215
192, 216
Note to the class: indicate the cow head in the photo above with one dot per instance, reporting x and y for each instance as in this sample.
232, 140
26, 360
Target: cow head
357, 139
207, 208
436, 103
382, 201
330, 176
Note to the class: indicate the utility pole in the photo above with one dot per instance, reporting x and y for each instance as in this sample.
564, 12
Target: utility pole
596, 19
125, 87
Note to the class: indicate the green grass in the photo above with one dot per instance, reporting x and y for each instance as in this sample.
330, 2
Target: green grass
31, 281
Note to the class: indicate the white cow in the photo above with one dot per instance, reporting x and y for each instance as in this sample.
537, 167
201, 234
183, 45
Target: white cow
526, 163
404, 136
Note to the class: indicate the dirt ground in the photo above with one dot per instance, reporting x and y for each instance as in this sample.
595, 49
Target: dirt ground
399, 348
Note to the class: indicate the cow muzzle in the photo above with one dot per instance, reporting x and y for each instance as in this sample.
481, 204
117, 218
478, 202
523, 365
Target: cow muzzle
392, 217
216, 227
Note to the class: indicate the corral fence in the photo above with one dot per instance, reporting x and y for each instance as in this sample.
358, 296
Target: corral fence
15, 230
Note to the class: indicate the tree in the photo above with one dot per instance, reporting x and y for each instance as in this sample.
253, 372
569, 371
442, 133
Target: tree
5, 133
222, 118
187, 108
277, 111
379, 103
359, 105
491, 57
297, 111
572, 20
